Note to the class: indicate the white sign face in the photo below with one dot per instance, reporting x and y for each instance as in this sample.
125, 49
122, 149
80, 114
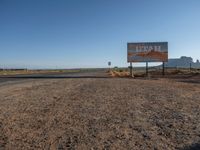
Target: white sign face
147, 52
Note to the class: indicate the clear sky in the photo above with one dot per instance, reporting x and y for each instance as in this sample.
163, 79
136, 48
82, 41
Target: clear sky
89, 33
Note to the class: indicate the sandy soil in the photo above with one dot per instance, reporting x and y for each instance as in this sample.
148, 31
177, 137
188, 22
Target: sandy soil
100, 113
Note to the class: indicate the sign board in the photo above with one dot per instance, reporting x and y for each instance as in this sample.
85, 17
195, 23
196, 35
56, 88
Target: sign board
148, 52
109, 63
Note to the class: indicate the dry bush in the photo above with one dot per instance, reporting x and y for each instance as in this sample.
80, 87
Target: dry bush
119, 74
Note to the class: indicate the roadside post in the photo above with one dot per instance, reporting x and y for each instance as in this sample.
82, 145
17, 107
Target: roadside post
190, 67
109, 64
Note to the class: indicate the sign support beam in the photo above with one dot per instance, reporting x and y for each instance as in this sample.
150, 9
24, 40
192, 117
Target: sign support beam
147, 71
131, 69
163, 69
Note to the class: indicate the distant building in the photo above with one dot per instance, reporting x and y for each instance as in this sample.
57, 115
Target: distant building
182, 62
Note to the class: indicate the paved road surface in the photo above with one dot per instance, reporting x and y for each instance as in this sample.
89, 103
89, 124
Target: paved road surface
27, 77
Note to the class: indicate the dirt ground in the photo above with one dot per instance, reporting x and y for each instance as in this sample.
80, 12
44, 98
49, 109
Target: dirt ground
100, 113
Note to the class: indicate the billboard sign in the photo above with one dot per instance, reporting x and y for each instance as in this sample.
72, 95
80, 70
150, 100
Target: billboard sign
148, 52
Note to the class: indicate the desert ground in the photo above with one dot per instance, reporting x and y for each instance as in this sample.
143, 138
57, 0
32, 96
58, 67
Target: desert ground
97, 111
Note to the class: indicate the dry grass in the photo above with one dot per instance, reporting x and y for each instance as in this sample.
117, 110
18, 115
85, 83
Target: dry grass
154, 73
119, 74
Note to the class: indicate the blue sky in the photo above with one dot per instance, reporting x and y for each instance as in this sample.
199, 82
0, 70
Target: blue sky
89, 33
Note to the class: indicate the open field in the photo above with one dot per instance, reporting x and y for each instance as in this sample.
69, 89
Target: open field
27, 72
97, 112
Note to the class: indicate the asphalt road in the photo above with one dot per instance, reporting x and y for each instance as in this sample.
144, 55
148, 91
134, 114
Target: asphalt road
27, 77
